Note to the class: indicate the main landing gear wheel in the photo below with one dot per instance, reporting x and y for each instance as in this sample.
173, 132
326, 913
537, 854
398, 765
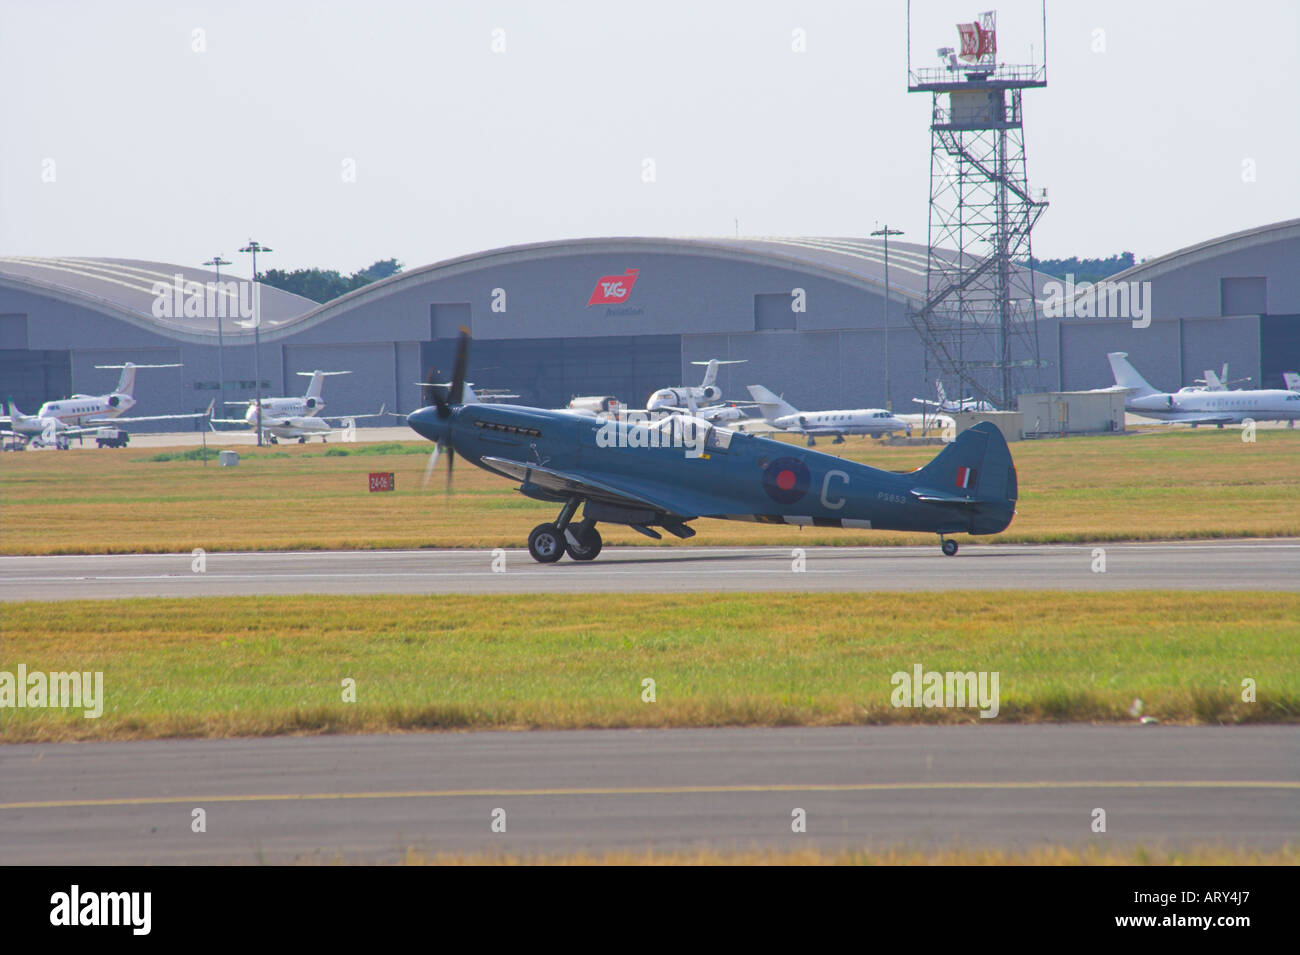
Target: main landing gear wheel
546, 544
949, 548
590, 542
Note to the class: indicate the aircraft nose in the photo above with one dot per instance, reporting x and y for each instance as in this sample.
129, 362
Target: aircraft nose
427, 424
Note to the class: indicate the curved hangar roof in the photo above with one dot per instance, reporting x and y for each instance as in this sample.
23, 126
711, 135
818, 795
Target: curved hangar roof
127, 288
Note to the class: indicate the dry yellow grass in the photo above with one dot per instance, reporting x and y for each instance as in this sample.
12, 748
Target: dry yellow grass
1164, 485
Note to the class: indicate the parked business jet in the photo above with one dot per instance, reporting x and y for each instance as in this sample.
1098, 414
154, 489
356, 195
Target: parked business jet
954, 406
1202, 406
702, 401
299, 418
779, 413
57, 422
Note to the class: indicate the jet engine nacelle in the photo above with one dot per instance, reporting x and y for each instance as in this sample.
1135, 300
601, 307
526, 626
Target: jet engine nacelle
712, 393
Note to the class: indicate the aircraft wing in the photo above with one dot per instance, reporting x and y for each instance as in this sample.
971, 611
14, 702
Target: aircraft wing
568, 483
102, 422
106, 422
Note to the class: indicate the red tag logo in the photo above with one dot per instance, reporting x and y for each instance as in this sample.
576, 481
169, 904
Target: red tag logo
613, 289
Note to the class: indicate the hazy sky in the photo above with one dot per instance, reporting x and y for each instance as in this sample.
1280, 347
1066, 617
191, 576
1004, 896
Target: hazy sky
161, 151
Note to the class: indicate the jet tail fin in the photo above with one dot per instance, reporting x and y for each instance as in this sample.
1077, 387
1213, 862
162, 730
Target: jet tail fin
316, 384
771, 405
1292, 380
126, 383
1127, 377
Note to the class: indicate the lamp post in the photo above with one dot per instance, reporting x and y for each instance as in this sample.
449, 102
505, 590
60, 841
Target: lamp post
217, 261
887, 232
255, 247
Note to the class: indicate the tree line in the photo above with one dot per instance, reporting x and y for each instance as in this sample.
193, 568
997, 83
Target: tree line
323, 285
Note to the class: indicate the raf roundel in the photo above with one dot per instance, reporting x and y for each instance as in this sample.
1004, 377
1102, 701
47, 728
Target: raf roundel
786, 480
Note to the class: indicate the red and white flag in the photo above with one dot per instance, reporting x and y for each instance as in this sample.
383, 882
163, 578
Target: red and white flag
966, 478
613, 289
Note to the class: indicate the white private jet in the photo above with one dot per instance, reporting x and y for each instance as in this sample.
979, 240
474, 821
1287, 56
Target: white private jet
954, 406
781, 414
299, 418
1202, 405
57, 422
703, 400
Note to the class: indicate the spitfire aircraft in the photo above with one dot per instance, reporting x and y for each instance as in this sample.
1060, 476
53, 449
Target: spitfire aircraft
675, 470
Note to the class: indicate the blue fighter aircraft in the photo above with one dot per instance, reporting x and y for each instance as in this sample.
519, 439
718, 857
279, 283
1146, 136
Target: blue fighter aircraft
665, 474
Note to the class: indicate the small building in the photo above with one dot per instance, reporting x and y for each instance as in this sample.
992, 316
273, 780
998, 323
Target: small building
1062, 413
1010, 423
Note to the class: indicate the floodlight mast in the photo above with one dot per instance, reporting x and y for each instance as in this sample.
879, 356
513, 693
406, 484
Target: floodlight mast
217, 262
979, 319
886, 232
255, 247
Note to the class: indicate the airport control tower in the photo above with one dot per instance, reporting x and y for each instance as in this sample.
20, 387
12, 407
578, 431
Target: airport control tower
978, 321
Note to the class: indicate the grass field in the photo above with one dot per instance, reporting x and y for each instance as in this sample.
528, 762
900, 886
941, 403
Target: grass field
1167, 485
264, 666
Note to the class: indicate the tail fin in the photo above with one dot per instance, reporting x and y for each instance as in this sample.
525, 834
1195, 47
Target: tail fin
317, 382
1292, 380
772, 406
1127, 377
126, 383
710, 373
14, 414
975, 469
1213, 382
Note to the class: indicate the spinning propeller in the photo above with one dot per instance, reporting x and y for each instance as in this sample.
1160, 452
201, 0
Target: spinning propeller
446, 405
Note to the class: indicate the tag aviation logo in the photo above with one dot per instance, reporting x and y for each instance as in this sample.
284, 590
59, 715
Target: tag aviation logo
613, 289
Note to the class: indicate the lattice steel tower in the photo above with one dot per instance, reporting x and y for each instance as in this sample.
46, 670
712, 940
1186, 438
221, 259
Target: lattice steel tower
978, 322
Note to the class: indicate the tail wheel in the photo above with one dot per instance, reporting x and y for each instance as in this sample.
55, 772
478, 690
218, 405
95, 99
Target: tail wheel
590, 545
546, 544
949, 548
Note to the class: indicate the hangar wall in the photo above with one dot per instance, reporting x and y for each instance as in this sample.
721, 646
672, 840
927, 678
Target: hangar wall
538, 332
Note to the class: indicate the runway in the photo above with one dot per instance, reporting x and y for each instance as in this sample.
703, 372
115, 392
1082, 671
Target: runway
1215, 565
369, 799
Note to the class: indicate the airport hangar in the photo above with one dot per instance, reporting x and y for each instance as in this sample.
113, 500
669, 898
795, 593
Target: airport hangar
541, 330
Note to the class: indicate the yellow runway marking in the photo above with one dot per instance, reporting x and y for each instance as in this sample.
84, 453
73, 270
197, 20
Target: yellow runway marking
660, 791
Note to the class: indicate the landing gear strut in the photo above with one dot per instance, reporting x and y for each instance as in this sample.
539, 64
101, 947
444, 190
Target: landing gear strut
949, 547
549, 542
